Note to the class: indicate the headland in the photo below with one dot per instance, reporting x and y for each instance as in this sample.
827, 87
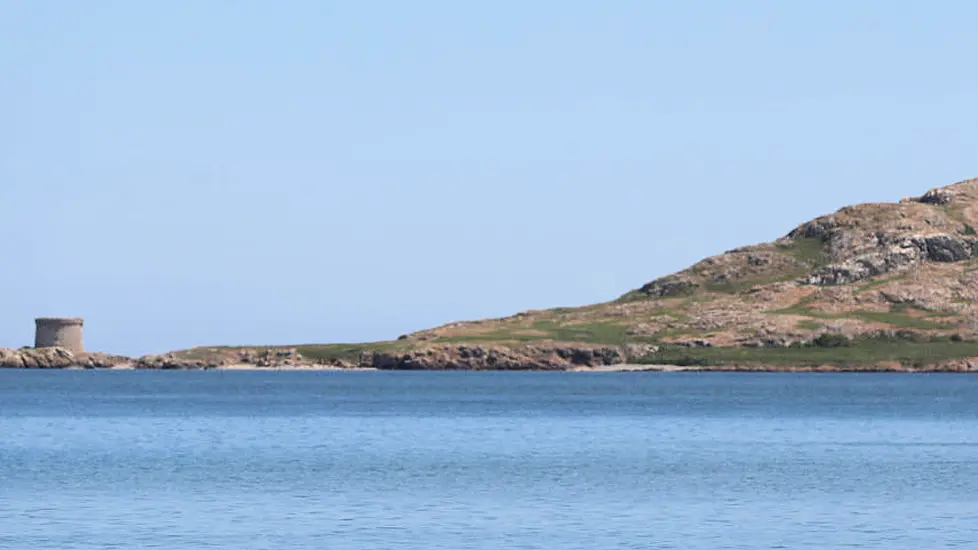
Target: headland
878, 287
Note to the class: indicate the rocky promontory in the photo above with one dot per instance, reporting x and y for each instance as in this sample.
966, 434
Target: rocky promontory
58, 358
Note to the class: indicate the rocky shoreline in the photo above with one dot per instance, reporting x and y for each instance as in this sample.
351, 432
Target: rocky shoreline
476, 357
442, 358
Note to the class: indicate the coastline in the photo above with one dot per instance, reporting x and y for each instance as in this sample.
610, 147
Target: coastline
604, 369
468, 359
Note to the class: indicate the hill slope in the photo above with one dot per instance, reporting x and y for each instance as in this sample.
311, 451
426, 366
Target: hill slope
868, 285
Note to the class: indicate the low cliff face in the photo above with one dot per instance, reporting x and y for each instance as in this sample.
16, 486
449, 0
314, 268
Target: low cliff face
479, 357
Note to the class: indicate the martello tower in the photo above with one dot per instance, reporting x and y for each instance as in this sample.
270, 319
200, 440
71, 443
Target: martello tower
62, 332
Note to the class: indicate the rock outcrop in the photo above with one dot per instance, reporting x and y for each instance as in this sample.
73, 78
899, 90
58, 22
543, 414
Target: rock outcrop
212, 358
58, 358
29, 358
869, 240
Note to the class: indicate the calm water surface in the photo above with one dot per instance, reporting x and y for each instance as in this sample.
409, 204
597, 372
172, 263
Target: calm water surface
252, 460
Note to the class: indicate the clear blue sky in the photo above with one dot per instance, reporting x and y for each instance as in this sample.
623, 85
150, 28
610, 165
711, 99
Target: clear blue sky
195, 172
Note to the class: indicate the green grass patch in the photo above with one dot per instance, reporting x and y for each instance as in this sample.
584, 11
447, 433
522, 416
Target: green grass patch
900, 320
347, 352
901, 307
597, 333
801, 308
737, 287
807, 250
634, 296
675, 333
808, 324
897, 316
942, 314
875, 283
498, 336
592, 333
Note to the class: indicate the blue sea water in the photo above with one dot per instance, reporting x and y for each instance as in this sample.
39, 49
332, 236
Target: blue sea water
416, 460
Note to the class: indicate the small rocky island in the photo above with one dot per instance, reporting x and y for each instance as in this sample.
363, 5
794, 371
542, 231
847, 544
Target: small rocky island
871, 287
58, 343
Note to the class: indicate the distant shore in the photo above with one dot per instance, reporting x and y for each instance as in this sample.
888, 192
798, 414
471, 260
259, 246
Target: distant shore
462, 358
604, 369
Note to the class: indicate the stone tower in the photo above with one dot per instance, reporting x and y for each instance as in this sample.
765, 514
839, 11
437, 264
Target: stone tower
62, 332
